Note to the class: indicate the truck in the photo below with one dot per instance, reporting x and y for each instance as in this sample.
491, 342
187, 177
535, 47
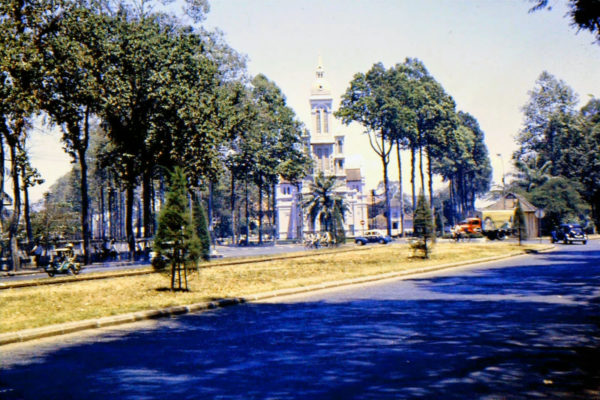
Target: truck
497, 224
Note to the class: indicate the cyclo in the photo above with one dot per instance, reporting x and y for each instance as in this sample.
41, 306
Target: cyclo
63, 261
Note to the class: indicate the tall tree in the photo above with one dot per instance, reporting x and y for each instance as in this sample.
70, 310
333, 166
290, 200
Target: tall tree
549, 97
590, 173
366, 101
22, 24
70, 90
277, 138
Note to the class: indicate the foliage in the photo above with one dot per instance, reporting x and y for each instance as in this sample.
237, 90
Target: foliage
405, 106
585, 14
558, 150
560, 199
323, 204
423, 227
56, 222
175, 237
274, 140
519, 222
201, 225
367, 101
549, 97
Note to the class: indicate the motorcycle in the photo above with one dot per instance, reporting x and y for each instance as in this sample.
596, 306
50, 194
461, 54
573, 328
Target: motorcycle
63, 262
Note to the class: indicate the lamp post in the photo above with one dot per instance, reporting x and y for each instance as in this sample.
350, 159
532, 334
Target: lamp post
503, 182
372, 208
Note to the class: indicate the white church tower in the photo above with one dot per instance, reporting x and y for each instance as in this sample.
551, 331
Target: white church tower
326, 147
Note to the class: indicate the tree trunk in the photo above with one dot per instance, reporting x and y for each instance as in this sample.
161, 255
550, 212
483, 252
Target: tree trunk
123, 215
211, 214
2, 168
85, 200
26, 207
260, 213
129, 220
16, 215
386, 185
111, 213
400, 188
247, 215
102, 214
138, 234
421, 174
232, 203
148, 225
412, 179
274, 210
430, 177
451, 193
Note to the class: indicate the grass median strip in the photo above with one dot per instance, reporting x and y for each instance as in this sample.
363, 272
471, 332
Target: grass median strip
45, 305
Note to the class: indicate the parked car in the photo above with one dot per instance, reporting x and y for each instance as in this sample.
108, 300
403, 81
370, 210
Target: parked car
372, 237
569, 233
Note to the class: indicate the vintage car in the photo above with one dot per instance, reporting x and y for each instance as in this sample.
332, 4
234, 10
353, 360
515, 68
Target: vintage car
569, 233
372, 237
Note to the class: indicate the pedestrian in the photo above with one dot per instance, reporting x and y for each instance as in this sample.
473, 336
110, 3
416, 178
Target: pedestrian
37, 253
113, 250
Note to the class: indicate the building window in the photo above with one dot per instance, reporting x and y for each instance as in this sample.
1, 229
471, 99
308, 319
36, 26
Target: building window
318, 120
325, 121
340, 146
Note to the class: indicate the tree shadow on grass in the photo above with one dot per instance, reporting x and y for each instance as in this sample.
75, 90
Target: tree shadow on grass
166, 289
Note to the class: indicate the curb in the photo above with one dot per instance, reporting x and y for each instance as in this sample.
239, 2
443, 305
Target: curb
71, 327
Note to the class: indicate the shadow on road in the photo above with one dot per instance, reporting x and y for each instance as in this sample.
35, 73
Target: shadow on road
515, 332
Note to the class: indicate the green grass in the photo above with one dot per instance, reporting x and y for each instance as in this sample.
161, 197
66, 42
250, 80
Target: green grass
45, 305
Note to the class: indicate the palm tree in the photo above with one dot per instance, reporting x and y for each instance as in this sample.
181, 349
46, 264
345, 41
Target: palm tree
324, 205
530, 177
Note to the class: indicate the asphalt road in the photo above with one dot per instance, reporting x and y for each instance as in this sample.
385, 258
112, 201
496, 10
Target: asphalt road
222, 251
523, 328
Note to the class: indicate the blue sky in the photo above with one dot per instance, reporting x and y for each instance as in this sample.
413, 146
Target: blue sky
487, 54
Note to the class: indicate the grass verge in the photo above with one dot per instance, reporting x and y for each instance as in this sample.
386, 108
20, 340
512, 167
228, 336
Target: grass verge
46, 305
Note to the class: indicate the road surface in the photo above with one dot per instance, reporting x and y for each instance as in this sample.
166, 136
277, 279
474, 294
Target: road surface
524, 328
222, 251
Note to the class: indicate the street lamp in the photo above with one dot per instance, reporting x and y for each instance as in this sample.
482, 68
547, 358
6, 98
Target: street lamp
372, 209
503, 182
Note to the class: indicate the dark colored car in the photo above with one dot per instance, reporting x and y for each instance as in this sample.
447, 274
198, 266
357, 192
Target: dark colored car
372, 237
569, 233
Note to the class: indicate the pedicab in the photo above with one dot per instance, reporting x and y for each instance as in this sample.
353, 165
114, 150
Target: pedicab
63, 261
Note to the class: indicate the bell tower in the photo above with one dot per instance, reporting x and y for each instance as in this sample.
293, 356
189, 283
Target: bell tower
326, 147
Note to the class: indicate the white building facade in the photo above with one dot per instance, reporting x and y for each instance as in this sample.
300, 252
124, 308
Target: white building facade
326, 146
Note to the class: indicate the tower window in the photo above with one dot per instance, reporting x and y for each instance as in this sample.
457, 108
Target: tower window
325, 121
318, 121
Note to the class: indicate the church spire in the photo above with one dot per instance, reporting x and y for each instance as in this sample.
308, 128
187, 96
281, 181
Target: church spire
320, 86
320, 70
